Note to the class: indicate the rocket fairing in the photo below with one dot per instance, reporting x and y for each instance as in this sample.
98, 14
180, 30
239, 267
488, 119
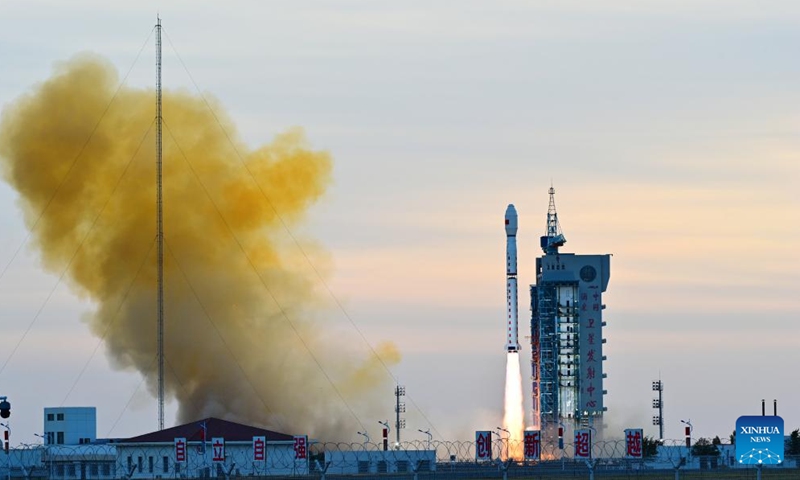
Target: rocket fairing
512, 340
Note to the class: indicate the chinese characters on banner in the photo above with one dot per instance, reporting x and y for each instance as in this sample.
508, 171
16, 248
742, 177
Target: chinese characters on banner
583, 443
483, 445
180, 450
633, 443
259, 449
591, 339
301, 447
533, 444
218, 449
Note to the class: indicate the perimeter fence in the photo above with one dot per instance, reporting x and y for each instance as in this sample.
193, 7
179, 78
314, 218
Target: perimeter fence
407, 461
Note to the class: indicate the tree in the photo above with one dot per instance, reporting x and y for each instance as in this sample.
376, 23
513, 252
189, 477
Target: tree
733, 437
716, 441
650, 446
793, 444
707, 452
703, 447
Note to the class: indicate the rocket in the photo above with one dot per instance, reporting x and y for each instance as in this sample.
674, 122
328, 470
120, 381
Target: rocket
512, 341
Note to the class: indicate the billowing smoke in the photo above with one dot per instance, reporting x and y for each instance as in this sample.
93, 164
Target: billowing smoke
242, 307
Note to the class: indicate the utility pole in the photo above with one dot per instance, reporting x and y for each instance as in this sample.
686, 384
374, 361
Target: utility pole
159, 230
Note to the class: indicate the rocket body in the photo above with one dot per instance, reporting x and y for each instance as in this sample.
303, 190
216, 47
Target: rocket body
512, 339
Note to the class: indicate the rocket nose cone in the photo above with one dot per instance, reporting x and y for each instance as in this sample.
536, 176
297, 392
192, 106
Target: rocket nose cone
511, 220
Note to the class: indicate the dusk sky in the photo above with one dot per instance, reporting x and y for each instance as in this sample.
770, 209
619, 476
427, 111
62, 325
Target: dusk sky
669, 129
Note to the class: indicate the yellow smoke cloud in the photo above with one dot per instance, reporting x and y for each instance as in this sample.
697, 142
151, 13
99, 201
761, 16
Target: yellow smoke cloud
229, 288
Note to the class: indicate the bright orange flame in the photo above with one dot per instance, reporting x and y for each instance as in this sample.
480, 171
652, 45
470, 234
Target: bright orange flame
513, 415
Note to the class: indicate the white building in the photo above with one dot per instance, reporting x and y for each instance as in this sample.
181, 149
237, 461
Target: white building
87, 461
72, 451
229, 448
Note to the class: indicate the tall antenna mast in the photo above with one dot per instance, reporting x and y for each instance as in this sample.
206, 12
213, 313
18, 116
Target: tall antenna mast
159, 231
553, 238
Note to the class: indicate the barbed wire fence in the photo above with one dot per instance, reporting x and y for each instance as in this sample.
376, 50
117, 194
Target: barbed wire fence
408, 460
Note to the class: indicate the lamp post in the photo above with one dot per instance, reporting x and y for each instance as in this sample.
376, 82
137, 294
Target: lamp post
592, 439
508, 436
689, 433
47, 454
386, 431
8, 453
366, 437
430, 437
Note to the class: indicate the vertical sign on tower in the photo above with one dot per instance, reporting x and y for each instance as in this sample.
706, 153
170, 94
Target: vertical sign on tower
533, 444
483, 445
633, 442
180, 450
590, 335
218, 449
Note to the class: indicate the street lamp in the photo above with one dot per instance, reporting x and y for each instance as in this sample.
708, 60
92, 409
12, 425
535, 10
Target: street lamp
385, 425
690, 428
386, 431
366, 437
688, 422
592, 439
8, 455
47, 453
428, 433
508, 436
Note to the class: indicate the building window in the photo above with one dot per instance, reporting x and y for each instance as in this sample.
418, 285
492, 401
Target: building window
140, 464
71, 470
177, 467
130, 464
150, 464
59, 438
50, 417
60, 417
95, 469
165, 466
60, 470
49, 439
107, 469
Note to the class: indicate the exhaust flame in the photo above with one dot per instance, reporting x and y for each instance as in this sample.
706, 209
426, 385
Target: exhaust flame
513, 416
240, 299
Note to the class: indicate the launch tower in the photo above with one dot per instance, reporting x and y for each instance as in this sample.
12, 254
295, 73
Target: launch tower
567, 333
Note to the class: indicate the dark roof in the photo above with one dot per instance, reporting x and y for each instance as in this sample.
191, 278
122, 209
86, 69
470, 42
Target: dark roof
215, 427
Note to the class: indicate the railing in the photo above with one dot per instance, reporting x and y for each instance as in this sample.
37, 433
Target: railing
456, 459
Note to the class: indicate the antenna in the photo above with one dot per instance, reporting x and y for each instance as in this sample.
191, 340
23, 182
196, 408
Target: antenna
159, 230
